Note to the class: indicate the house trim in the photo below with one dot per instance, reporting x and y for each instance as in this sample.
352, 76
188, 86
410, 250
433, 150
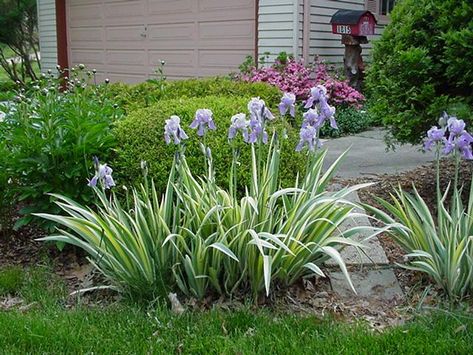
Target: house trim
61, 34
256, 31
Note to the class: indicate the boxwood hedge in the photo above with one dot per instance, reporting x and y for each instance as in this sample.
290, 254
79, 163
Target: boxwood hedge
132, 97
140, 137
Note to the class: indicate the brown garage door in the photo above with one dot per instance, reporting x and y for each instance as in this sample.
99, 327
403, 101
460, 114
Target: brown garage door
126, 40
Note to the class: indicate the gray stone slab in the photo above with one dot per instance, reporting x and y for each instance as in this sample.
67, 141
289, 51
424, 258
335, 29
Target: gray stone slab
370, 284
373, 253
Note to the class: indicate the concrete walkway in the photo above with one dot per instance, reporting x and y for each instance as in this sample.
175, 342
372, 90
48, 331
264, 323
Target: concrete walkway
368, 155
372, 274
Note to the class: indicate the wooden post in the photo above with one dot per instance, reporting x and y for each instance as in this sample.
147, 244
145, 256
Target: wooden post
353, 61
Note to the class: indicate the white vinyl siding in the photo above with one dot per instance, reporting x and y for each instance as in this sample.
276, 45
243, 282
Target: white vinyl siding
323, 42
47, 34
278, 27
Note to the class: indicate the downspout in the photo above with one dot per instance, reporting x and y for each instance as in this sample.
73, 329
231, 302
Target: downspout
306, 31
295, 29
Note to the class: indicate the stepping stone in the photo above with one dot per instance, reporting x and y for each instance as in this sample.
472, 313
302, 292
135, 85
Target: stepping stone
381, 285
372, 254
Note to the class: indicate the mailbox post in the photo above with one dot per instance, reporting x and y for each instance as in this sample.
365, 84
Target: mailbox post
354, 26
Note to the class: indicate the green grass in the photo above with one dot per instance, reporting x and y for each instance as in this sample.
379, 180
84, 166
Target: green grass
51, 328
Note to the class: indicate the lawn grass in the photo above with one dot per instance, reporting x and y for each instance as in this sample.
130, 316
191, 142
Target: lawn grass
49, 327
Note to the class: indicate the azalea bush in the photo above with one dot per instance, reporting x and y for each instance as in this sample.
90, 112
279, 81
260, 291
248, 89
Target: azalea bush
201, 238
48, 137
294, 76
439, 245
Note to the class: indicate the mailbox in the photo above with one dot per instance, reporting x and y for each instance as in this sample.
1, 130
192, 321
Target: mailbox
353, 22
354, 26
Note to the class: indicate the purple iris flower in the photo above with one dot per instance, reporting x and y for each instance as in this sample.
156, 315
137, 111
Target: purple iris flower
288, 102
173, 130
239, 123
434, 135
464, 145
258, 109
328, 113
311, 118
103, 174
203, 120
456, 126
257, 131
308, 136
317, 94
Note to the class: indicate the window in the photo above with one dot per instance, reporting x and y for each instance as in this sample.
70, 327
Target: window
385, 6
381, 9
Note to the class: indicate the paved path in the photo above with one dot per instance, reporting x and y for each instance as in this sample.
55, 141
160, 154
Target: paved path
371, 273
368, 155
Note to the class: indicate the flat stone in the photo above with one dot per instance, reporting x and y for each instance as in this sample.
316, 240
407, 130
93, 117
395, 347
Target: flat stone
373, 253
370, 284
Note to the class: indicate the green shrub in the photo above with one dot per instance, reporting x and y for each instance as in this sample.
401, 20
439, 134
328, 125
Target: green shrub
7, 90
48, 139
350, 120
11, 280
422, 66
132, 97
140, 137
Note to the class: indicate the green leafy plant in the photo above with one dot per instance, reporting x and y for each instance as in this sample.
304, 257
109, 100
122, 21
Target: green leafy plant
48, 138
350, 120
421, 66
440, 246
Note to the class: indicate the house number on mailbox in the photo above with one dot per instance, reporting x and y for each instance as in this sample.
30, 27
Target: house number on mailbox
344, 29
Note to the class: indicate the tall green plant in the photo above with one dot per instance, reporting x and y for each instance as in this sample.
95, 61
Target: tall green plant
440, 246
49, 136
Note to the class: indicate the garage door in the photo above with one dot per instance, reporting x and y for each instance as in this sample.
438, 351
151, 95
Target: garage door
126, 40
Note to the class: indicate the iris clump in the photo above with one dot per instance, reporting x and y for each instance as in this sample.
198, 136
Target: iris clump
439, 245
202, 239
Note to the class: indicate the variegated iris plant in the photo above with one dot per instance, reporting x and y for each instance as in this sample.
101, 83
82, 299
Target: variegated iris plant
440, 246
203, 238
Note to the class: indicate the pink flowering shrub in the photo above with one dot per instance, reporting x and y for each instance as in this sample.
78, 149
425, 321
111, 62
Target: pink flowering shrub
297, 78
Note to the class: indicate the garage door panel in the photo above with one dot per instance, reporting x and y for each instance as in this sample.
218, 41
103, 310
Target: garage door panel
85, 15
174, 8
226, 9
173, 59
227, 30
126, 33
87, 37
88, 57
126, 57
220, 58
125, 9
180, 31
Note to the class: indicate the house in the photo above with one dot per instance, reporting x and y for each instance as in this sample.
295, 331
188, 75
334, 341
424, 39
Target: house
125, 40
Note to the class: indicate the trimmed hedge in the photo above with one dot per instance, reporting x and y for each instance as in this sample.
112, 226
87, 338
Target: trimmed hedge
132, 97
422, 66
140, 137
